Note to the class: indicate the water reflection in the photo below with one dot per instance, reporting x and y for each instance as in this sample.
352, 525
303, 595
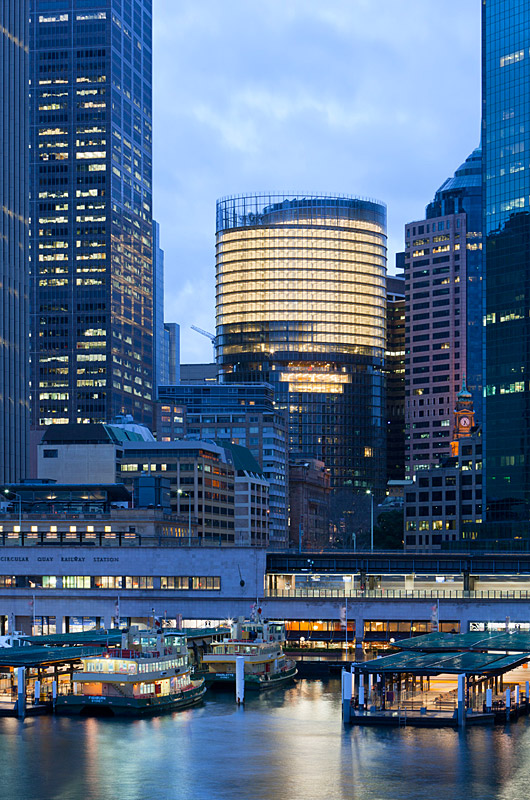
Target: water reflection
285, 745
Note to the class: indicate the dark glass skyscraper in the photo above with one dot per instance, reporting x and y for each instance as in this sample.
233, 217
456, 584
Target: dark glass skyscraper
91, 216
301, 304
506, 177
14, 359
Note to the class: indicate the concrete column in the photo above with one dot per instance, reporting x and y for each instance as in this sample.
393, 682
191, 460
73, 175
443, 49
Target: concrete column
21, 692
489, 700
359, 632
461, 700
409, 582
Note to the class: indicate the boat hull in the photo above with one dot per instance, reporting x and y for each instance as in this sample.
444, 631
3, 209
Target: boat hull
227, 680
128, 706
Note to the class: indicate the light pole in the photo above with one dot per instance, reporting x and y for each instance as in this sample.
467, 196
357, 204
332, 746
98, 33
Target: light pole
346, 578
181, 493
8, 492
369, 491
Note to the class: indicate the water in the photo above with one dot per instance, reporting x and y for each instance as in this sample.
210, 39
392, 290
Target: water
287, 745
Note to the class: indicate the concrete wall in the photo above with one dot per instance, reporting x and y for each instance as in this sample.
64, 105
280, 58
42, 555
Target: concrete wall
78, 463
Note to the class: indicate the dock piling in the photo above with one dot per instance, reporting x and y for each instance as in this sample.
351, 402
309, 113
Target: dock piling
240, 680
21, 692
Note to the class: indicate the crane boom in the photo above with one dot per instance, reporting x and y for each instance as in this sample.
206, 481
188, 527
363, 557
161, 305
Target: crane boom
208, 335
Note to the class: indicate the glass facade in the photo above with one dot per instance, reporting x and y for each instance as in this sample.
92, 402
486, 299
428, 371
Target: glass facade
506, 179
14, 190
91, 234
244, 415
301, 304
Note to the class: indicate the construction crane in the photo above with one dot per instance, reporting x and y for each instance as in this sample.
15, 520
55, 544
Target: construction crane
208, 335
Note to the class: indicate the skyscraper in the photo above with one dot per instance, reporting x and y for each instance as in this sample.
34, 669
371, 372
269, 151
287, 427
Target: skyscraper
443, 323
395, 376
14, 122
91, 235
301, 303
506, 177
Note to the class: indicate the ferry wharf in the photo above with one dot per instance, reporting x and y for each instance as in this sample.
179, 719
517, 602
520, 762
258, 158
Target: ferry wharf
442, 680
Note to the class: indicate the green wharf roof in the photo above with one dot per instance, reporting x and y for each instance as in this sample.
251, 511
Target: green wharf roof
515, 641
438, 663
44, 656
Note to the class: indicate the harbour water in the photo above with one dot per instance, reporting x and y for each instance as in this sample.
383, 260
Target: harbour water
286, 745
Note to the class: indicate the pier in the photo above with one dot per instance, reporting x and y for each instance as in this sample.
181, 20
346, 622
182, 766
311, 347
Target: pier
441, 680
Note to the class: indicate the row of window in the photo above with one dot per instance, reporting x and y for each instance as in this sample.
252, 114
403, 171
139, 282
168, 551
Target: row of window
179, 582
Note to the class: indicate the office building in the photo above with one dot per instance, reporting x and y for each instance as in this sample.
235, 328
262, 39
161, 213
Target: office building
301, 304
199, 373
91, 210
171, 373
506, 175
443, 322
444, 505
14, 254
242, 414
309, 489
395, 377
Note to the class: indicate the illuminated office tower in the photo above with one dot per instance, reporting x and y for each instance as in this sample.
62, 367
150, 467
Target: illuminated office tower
14, 187
92, 228
443, 320
506, 175
301, 303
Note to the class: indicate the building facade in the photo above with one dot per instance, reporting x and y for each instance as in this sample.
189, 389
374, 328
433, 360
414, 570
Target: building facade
14, 252
444, 505
443, 322
506, 176
91, 210
309, 488
301, 304
395, 372
243, 414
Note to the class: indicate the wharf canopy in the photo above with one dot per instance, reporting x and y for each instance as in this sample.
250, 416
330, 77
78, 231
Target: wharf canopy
450, 663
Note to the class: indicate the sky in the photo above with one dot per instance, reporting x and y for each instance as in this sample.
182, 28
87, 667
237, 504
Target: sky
372, 99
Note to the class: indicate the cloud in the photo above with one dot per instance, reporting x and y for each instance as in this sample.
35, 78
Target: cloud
348, 96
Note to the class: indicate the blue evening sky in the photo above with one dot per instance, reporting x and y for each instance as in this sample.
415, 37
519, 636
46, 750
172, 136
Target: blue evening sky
377, 98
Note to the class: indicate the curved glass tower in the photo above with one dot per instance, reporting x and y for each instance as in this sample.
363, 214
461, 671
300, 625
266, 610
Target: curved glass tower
301, 304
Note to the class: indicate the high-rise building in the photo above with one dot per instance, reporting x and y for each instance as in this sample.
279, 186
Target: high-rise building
14, 122
242, 414
91, 210
395, 372
171, 371
444, 505
506, 175
301, 304
443, 322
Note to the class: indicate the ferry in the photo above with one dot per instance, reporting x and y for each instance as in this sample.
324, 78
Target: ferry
260, 642
148, 674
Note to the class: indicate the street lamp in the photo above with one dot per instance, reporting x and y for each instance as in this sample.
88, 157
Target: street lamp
369, 491
346, 578
8, 492
188, 495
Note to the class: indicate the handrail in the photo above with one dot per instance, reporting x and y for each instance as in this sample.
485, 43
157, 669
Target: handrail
402, 594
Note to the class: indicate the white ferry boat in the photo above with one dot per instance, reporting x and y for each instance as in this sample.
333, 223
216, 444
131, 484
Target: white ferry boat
260, 642
148, 674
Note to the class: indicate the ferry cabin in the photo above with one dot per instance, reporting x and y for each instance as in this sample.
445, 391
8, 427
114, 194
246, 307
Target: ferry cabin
137, 673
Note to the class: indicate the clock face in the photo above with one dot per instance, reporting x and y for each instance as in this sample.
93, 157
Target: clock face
465, 422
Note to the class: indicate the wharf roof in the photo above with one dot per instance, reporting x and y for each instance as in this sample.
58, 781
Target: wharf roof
42, 656
95, 638
478, 641
447, 662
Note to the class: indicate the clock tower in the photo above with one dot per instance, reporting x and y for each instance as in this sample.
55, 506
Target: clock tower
464, 417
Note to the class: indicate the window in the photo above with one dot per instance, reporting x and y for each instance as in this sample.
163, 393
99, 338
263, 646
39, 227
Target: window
51, 454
